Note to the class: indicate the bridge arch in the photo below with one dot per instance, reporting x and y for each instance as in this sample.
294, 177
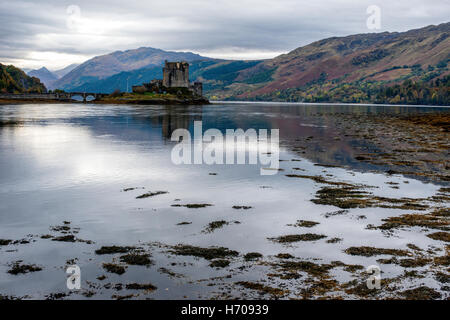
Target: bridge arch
85, 96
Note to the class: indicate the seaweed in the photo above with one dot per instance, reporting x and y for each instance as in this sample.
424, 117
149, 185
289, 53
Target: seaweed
319, 179
441, 236
18, 268
353, 267
151, 194
442, 277
351, 196
443, 261
252, 256
138, 286
67, 238
193, 205
304, 224
262, 288
113, 250
60, 228
311, 268
414, 263
391, 260
335, 213
360, 289
413, 247
131, 189
413, 220
117, 297
284, 256
56, 296
421, 293
344, 198
334, 240
298, 237
206, 253
136, 259
371, 251
5, 242
114, 268
220, 263
212, 226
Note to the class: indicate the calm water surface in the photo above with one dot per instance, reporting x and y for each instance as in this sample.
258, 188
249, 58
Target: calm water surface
71, 163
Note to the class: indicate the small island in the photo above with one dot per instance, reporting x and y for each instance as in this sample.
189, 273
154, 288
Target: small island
174, 88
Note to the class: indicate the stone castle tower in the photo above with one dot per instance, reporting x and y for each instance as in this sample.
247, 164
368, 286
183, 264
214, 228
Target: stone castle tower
176, 74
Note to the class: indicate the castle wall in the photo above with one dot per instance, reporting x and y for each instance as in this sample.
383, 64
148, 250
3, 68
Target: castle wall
197, 88
176, 74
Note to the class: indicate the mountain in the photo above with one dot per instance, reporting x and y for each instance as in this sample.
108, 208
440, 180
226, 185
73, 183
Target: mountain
62, 72
122, 81
14, 80
44, 75
344, 69
105, 66
48, 77
214, 73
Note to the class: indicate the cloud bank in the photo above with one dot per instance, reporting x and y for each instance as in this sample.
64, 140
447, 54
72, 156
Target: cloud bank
55, 33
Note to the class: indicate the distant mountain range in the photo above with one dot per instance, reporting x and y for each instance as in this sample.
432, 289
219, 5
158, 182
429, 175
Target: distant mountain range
14, 80
62, 72
44, 75
102, 67
49, 77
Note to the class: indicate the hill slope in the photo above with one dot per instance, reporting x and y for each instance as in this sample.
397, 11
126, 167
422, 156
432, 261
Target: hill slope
14, 80
62, 72
122, 81
376, 58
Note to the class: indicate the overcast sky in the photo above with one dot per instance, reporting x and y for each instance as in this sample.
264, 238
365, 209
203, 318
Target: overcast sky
55, 33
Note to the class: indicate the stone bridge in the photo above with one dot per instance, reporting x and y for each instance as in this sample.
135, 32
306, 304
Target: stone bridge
83, 95
66, 96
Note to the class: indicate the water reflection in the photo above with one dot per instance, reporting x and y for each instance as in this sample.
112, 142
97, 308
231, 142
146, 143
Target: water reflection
43, 127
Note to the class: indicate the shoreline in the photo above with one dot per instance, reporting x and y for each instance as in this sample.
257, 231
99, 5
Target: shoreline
327, 104
395, 144
107, 101
206, 101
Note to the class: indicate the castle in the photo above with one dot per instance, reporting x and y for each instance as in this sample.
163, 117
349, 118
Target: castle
175, 80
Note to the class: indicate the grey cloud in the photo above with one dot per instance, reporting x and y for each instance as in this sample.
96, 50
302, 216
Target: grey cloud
199, 25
